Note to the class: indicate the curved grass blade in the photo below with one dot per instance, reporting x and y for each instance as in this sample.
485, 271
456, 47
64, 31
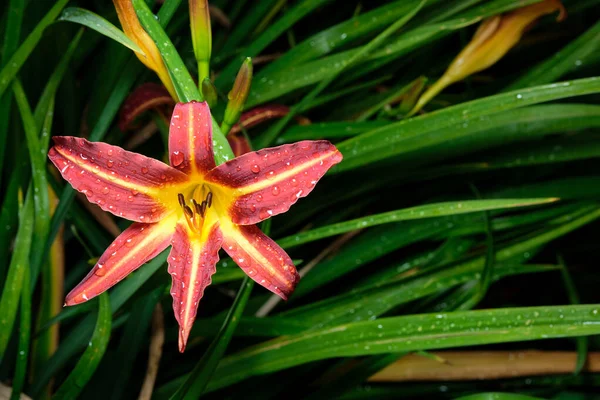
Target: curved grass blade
247, 24
130, 344
582, 342
12, 34
299, 11
571, 57
87, 364
49, 93
389, 141
14, 64
328, 130
186, 88
37, 155
76, 340
24, 335
339, 35
196, 382
269, 136
99, 24
412, 213
11, 292
498, 396
409, 333
283, 81
366, 302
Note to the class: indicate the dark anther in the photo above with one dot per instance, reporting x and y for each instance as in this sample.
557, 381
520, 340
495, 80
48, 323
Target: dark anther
188, 211
209, 199
197, 208
181, 200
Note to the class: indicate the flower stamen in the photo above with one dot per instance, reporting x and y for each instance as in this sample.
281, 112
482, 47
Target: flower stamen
195, 215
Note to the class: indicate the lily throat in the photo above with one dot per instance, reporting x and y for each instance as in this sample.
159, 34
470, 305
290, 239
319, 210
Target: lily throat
197, 207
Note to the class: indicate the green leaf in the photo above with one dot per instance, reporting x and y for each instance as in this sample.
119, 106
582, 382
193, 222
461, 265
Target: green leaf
24, 339
366, 302
570, 58
14, 64
11, 293
87, 364
297, 12
269, 136
407, 214
181, 77
12, 34
409, 333
194, 385
330, 39
328, 130
76, 340
279, 82
391, 140
99, 24
498, 396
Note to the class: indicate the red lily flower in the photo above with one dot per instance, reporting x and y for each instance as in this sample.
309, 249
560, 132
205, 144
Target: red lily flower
192, 205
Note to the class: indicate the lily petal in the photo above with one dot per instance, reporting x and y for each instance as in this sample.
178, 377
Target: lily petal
136, 245
126, 184
267, 182
192, 262
145, 97
261, 258
190, 138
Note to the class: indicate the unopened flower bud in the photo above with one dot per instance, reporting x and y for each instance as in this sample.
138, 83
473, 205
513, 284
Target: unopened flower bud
238, 95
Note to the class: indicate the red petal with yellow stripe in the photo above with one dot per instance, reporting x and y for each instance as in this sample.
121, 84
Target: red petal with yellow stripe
267, 182
190, 138
136, 245
192, 262
261, 258
126, 184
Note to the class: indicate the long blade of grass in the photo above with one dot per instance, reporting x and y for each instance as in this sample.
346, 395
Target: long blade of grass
12, 35
14, 64
181, 77
194, 385
299, 11
389, 141
269, 136
407, 214
99, 24
87, 364
571, 57
410, 333
24, 335
11, 293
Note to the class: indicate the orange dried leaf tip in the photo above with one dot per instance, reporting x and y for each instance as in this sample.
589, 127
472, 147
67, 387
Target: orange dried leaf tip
192, 205
492, 40
151, 57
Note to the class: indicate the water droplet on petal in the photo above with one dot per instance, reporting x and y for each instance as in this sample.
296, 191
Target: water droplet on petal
144, 170
264, 213
105, 190
177, 158
275, 190
259, 197
255, 168
110, 163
